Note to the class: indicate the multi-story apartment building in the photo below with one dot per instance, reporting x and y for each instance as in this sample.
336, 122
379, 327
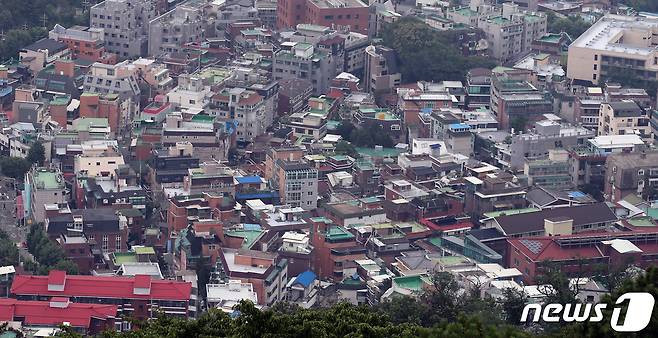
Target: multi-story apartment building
547, 135
344, 15
478, 88
308, 125
191, 92
553, 172
267, 275
107, 227
124, 24
381, 72
514, 100
293, 95
84, 43
501, 191
511, 33
304, 61
246, 107
623, 118
334, 249
355, 45
43, 186
267, 12
297, 183
140, 298
170, 31
634, 173
43, 53
120, 79
615, 43
587, 161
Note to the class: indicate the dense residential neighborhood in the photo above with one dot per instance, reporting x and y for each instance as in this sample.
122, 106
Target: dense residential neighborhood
410, 166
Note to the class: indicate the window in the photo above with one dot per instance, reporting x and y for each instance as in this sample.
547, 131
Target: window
105, 242
118, 243
593, 76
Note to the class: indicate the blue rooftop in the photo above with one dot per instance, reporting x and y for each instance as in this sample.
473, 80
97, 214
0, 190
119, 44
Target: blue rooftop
249, 179
251, 226
459, 126
305, 278
426, 110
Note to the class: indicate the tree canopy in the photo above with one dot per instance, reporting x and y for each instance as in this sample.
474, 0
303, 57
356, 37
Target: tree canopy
573, 25
23, 21
8, 250
14, 167
47, 254
427, 54
36, 154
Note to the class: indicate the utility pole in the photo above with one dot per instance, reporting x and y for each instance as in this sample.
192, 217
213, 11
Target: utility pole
44, 19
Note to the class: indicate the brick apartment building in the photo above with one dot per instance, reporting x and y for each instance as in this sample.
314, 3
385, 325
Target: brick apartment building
335, 249
339, 14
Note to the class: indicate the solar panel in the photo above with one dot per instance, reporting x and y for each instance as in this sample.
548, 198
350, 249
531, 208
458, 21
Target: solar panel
533, 246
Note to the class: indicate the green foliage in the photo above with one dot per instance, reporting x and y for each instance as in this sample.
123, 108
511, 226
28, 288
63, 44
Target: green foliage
36, 154
15, 39
8, 250
366, 136
23, 21
643, 5
518, 123
370, 136
573, 25
47, 254
345, 129
427, 54
14, 167
647, 282
513, 303
347, 148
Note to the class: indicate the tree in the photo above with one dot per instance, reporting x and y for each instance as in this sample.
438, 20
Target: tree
14, 167
48, 255
573, 25
518, 123
8, 251
513, 303
443, 298
345, 129
347, 148
427, 54
36, 154
647, 282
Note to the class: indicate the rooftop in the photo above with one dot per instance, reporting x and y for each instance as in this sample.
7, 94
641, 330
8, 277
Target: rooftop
608, 32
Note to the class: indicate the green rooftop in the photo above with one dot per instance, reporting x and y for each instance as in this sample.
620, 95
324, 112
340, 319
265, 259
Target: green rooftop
214, 75
413, 283
144, 250
203, 118
60, 101
321, 220
336, 233
45, 179
493, 214
83, 124
465, 11
551, 38
499, 20
249, 236
385, 152
642, 222
124, 257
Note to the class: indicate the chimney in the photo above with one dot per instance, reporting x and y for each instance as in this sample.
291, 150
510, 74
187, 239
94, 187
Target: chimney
65, 67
